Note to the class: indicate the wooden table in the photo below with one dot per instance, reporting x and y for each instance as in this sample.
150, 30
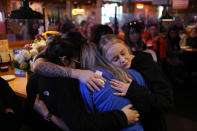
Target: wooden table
18, 85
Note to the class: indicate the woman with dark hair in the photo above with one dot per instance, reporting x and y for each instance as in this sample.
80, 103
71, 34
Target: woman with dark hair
83, 28
174, 68
133, 36
173, 47
68, 26
99, 31
43, 67
64, 104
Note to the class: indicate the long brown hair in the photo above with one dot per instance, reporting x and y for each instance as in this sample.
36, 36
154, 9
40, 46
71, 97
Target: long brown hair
91, 59
107, 41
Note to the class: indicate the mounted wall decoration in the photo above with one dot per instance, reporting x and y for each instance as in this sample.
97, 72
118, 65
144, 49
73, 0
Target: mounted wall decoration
180, 4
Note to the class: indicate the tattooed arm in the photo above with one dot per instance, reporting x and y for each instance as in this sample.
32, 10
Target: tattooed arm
41, 66
49, 69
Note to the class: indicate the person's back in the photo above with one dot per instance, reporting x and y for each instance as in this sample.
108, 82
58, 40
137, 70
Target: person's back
63, 99
105, 100
33, 119
24, 33
61, 96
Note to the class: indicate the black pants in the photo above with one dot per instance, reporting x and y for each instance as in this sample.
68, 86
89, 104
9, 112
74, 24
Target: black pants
10, 122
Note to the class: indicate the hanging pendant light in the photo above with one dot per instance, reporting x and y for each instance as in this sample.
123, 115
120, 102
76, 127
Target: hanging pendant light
165, 15
25, 12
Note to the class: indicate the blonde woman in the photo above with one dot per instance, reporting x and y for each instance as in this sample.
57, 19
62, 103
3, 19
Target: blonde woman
152, 106
105, 100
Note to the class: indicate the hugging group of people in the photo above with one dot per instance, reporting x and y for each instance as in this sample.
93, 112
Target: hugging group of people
100, 86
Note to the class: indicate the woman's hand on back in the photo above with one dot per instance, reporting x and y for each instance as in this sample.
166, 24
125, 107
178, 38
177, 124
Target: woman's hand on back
90, 78
40, 107
132, 115
122, 87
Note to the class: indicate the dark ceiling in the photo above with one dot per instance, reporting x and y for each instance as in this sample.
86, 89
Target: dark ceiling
86, 2
75, 2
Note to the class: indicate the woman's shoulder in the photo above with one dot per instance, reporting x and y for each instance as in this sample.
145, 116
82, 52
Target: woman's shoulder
136, 76
143, 62
142, 56
132, 71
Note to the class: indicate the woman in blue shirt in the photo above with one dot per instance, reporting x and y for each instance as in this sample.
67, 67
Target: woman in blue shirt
105, 100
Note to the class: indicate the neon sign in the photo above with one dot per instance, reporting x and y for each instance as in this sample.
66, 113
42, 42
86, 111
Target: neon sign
78, 11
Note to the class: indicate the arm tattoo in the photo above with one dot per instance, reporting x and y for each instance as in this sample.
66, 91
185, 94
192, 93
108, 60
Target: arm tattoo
52, 70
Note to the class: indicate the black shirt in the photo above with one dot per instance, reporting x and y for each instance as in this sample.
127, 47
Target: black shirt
8, 98
63, 98
152, 106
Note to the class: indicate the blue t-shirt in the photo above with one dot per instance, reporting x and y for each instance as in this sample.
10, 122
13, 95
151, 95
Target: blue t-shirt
104, 100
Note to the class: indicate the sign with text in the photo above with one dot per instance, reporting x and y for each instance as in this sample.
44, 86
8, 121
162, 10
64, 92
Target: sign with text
127, 1
113, 0
180, 4
78, 11
20, 73
140, 0
160, 2
4, 51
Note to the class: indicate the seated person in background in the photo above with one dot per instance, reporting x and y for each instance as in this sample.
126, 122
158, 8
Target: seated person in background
25, 31
83, 28
45, 68
64, 101
183, 36
156, 43
192, 39
9, 107
133, 38
173, 47
104, 100
173, 54
192, 63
